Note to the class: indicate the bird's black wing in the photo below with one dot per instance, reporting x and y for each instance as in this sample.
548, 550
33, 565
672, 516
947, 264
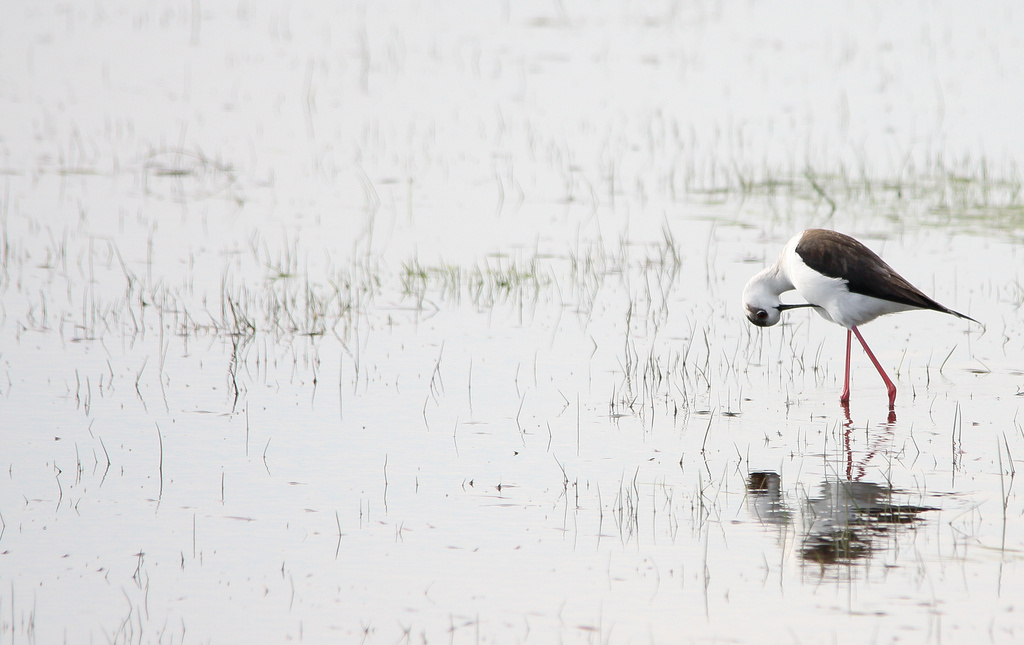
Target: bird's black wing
840, 256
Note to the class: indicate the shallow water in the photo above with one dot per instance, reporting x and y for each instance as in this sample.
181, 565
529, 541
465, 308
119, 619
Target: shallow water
421, 323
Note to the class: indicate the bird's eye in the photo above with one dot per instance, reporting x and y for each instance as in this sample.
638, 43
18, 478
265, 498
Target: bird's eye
761, 314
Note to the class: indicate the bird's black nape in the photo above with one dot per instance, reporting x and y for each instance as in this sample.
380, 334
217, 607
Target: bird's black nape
785, 307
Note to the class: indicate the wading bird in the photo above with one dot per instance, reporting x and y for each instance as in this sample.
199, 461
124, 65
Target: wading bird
845, 281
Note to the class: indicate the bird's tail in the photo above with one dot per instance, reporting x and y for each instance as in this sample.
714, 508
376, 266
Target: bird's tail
964, 316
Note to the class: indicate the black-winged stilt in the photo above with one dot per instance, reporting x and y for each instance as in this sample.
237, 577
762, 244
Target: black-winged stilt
845, 281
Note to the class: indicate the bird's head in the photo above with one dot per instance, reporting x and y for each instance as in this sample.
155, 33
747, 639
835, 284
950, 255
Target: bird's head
761, 302
762, 307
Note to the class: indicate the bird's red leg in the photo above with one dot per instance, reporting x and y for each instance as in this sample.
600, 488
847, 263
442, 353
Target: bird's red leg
888, 383
844, 398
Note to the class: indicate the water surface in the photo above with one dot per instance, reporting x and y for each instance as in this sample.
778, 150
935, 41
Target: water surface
400, 322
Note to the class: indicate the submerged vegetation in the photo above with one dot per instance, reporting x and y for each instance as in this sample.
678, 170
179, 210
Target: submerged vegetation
499, 281
966, 198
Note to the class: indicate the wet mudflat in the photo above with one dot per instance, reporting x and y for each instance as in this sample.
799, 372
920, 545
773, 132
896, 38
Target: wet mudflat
408, 323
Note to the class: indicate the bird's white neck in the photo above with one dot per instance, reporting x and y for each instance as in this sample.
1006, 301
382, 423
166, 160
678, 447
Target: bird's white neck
773, 280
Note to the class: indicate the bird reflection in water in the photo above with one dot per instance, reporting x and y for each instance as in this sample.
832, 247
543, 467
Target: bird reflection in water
842, 523
846, 519
764, 490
